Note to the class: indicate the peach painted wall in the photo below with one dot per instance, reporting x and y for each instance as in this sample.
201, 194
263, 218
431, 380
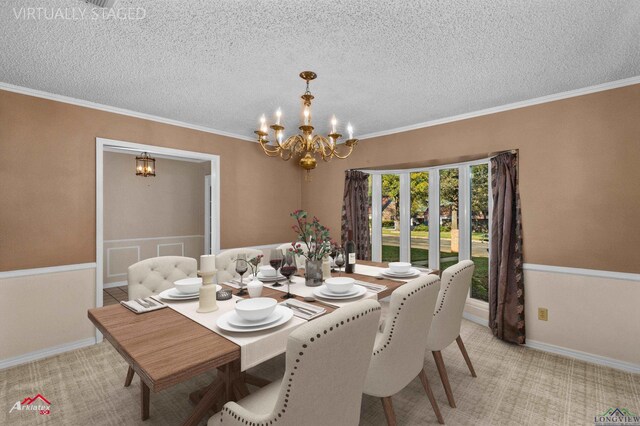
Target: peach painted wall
47, 170
579, 174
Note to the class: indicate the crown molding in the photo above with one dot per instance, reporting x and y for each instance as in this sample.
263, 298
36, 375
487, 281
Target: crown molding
516, 105
493, 110
93, 105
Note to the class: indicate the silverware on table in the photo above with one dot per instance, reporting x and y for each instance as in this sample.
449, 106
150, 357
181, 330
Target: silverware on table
151, 302
143, 303
301, 309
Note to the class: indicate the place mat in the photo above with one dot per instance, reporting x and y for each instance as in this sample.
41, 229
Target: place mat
304, 310
136, 307
255, 347
299, 288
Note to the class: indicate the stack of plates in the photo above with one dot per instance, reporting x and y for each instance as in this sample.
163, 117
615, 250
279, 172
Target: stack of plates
412, 273
271, 279
231, 321
325, 293
174, 294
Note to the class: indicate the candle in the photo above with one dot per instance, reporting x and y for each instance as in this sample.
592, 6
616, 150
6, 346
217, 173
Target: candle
350, 130
278, 115
208, 263
306, 115
333, 124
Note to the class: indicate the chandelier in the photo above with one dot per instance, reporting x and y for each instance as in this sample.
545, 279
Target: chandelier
145, 165
305, 145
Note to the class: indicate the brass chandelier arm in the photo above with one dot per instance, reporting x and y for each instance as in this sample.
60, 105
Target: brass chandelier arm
269, 152
342, 157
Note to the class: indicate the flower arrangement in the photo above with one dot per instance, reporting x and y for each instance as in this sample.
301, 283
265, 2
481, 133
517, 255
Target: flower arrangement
312, 234
254, 263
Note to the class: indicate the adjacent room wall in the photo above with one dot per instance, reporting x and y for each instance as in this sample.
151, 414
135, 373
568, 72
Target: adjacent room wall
151, 216
580, 193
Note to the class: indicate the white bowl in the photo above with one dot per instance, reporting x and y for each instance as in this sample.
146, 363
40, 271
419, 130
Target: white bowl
267, 271
339, 285
188, 285
400, 267
256, 309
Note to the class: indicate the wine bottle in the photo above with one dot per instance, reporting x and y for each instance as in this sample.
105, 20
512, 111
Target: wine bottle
350, 254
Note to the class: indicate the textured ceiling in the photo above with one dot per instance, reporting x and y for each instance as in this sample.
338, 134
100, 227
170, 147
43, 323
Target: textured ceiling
381, 64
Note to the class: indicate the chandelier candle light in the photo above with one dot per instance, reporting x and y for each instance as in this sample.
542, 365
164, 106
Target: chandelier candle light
307, 144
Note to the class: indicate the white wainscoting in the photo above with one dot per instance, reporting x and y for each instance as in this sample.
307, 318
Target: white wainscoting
593, 315
116, 262
44, 312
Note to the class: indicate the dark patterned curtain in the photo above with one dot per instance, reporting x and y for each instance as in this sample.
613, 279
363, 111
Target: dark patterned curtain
355, 212
506, 285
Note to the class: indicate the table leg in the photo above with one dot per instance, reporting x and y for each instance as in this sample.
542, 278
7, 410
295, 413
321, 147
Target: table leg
144, 400
214, 392
250, 379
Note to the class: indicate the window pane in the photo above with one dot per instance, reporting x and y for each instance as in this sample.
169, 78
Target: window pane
449, 232
420, 219
390, 218
480, 231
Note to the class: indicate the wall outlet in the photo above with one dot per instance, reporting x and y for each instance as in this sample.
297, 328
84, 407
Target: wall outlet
543, 314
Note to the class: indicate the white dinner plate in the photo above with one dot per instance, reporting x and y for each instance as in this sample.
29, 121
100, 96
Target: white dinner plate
413, 272
323, 293
173, 294
351, 293
237, 321
223, 322
262, 278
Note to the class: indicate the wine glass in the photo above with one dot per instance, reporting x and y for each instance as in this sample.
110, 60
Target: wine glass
241, 267
339, 259
288, 269
275, 260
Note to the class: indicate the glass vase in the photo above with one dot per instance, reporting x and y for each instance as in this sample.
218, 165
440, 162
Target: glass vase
313, 273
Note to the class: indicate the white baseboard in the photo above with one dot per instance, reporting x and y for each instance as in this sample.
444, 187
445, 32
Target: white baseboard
46, 353
584, 356
116, 284
476, 319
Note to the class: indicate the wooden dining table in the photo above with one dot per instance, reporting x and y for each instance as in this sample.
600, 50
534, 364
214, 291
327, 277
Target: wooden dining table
165, 348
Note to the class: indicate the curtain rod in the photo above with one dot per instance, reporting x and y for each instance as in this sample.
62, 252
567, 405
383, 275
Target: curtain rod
435, 166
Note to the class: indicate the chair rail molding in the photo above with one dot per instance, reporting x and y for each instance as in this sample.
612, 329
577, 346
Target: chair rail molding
627, 276
46, 270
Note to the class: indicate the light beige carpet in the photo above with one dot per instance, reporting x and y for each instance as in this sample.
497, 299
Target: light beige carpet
515, 386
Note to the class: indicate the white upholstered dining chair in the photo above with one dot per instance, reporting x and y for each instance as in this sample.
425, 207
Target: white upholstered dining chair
154, 275
326, 364
447, 318
398, 352
226, 265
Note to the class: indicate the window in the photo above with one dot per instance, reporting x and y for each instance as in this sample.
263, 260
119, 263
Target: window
480, 231
434, 217
420, 219
390, 218
449, 207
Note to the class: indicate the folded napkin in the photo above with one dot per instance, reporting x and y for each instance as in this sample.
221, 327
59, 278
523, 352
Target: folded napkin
375, 288
303, 310
138, 308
